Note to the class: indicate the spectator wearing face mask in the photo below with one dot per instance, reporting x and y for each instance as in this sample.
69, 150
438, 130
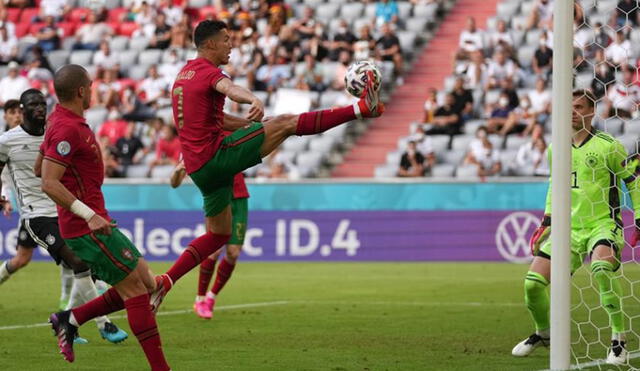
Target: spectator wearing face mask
532, 156
424, 145
603, 79
411, 162
542, 58
540, 99
482, 154
343, 40
521, 119
499, 114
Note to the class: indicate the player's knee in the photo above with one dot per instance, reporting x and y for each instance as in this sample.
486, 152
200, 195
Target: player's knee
233, 253
286, 122
534, 283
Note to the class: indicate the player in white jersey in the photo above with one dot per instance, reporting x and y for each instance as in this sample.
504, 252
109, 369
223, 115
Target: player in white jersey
19, 149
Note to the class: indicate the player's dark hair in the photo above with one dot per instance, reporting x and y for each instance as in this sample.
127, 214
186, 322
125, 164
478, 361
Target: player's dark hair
11, 104
68, 80
206, 30
588, 94
27, 93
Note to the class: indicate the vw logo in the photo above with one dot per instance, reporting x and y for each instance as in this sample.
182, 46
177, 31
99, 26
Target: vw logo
512, 236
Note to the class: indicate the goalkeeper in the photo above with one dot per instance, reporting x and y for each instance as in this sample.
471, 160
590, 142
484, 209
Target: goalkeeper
599, 165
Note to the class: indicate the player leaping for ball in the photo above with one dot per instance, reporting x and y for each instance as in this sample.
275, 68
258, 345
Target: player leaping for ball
19, 148
210, 158
599, 167
72, 175
206, 300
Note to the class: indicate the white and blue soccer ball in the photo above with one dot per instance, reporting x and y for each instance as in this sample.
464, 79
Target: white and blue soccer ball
356, 77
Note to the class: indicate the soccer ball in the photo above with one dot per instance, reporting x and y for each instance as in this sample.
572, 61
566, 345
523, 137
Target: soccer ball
356, 77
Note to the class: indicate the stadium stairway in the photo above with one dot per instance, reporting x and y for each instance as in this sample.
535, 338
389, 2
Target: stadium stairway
406, 103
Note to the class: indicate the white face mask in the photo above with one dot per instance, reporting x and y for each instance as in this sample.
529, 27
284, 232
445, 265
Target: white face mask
342, 30
524, 104
503, 102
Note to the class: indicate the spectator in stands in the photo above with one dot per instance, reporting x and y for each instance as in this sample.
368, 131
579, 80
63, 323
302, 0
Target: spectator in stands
49, 35
601, 38
181, 33
161, 37
311, 77
170, 69
343, 40
12, 85
58, 9
508, 87
306, 26
623, 98
268, 42
167, 149
476, 71
133, 108
482, 154
271, 75
532, 156
386, 13
540, 99
499, 69
580, 64
145, 15
424, 145
129, 148
447, 120
289, 47
619, 51
430, 106
111, 167
388, 50
603, 79
627, 13
363, 48
542, 58
113, 129
155, 89
499, 114
105, 59
541, 15
106, 91
344, 60
501, 38
19, 3
412, 162
521, 119
91, 34
10, 26
37, 65
277, 166
173, 10
471, 40
8, 46
463, 99
12, 114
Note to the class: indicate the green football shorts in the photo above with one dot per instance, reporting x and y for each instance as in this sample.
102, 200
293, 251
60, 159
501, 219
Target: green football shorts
583, 241
111, 257
238, 152
240, 210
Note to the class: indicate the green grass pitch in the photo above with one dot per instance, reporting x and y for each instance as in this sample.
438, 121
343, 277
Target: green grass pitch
318, 316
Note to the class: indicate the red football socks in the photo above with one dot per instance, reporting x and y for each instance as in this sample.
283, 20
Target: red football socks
143, 324
198, 250
108, 302
224, 273
207, 268
320, 121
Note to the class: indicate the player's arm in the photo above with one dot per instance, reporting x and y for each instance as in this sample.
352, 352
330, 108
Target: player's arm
178, 175
52, 172
37, 167
241, 95
4, 199
232, 123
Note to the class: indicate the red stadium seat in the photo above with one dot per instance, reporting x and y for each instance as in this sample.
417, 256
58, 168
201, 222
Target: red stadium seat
79, 14
115, 14
22, 29
35, 27
205, 12
13, 14
68, 28
127, 28
27, 14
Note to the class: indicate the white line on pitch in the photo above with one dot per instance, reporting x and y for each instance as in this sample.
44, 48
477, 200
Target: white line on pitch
168, 313
597, 362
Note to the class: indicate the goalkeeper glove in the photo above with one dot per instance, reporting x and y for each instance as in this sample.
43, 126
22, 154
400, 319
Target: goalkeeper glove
540, 235
636, 234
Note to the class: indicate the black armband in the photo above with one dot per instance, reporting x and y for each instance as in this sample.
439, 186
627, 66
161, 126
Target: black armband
546, 221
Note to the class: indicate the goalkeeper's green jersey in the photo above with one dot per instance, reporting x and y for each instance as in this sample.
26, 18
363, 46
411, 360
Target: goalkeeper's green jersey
599, 166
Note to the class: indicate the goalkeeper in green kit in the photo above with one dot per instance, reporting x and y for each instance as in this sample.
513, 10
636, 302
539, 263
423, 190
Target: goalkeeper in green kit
599, 166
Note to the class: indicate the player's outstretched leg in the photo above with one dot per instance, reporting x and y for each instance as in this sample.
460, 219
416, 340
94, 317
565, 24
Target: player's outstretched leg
207, 267
9, 267
603, 266
537, 300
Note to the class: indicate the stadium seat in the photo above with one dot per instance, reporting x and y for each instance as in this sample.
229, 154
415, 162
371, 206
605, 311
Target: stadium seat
525, 55
115, 14
632, 127
329, 98
13, 14
58, 58
520, 22
630, 143
394, 157
370, 11
460, 143
296, 144
138, 43
127, 28
533, 37
526, 7
68, 28
417, 24
149, 57
323, 144
127, 58
351, 11
407, 41
81, 57
96, 116
137, 171
467, 172
359, 23
443, 171
386, 171
336, 132
516, 141
28, 14
451, 157
198, 3
613, 126
404, 9
326, 12
440, 143
118, 43
308, 163
506, 9
606, 6
425, 11
138, 72
162, 172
